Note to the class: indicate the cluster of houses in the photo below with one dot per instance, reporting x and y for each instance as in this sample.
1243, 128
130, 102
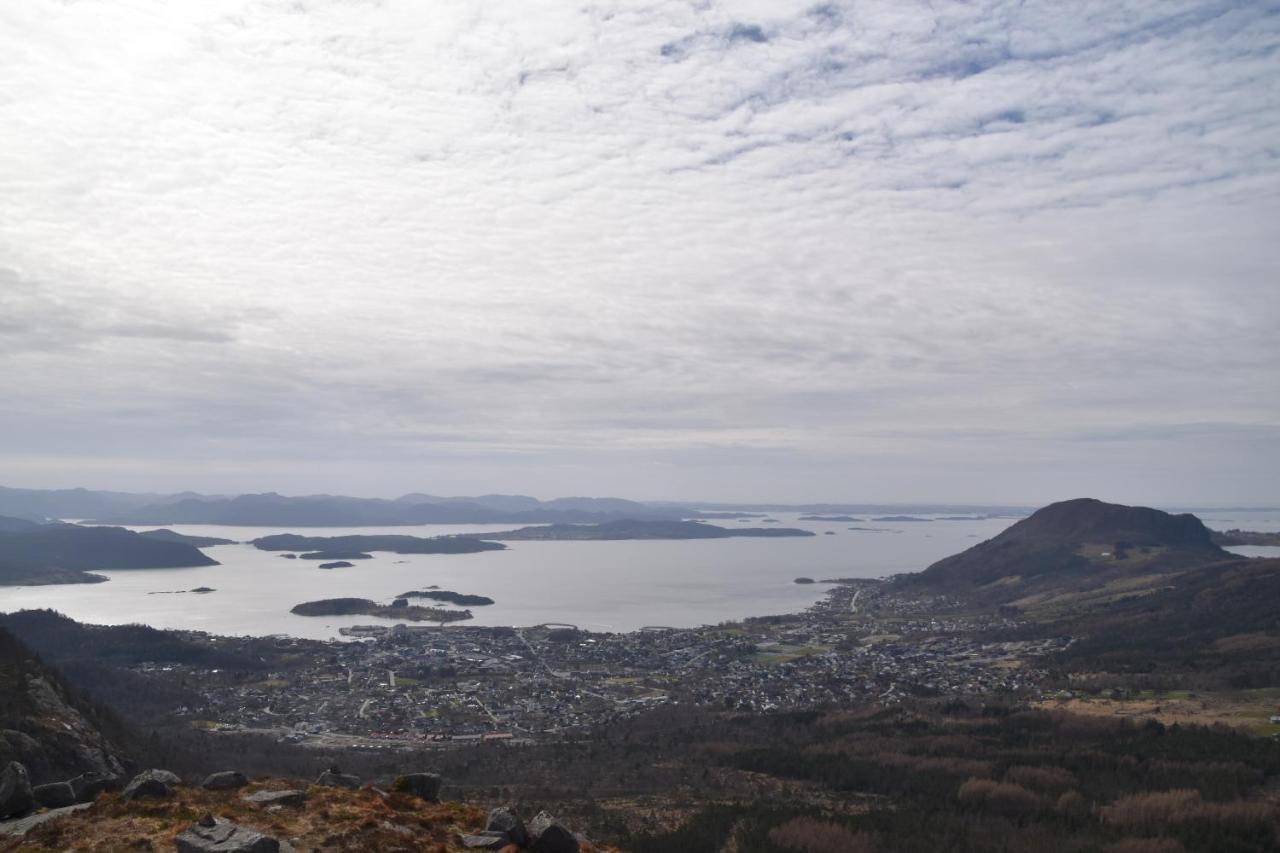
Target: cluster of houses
459, 684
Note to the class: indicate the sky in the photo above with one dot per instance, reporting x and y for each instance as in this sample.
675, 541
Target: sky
989, 251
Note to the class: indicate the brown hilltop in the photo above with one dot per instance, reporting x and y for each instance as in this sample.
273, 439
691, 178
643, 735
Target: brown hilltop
1082, 542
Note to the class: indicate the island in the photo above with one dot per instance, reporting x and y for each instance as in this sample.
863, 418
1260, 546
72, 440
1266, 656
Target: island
444, 595
828, 518
1244, 537
396, 544
365, 607
69, 553
900, 518
631, 529
166, 535
337, 564
805, 580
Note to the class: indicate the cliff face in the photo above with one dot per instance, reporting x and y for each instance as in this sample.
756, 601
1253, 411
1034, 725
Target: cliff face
43, 725
1073, 542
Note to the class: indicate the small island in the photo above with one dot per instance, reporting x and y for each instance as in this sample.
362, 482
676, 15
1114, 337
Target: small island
337, 564
365, 607
458, 598
630, 529
805, 580
900, 518
335, 555
828, 518
331, 545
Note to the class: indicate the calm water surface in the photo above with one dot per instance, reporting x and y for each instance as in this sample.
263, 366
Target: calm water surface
602, 586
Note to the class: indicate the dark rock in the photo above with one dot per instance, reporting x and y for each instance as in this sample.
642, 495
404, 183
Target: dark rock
212, 835
277, 798
87, 786
225, 780
485, 841
425, 786
150, 783
22, 826
548, 835
16, 798
337, 564
55, 795
334, 779
507, 822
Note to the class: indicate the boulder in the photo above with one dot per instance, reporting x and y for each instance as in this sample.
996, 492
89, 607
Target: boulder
548, 835
225, 780
213, 835
507, 822
425, 786
276, 798
334, 779
55, 795
87, 786
16, 798
485, 841
150, 783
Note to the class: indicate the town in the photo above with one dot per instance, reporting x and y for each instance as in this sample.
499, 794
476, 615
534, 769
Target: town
398, 685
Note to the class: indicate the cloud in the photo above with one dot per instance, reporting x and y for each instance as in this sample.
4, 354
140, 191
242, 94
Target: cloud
450, 233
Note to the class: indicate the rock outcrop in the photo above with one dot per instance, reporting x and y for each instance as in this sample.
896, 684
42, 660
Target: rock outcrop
87, 786
43, 726
16, 797
55, 795
548, 835
225, 780
337, 779
266, 799
424, 786
213, 835
509, 824
151, 783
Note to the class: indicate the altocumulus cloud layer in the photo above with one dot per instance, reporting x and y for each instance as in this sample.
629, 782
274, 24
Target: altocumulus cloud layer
883, 250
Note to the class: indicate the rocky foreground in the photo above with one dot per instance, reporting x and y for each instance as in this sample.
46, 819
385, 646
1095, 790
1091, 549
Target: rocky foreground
228, 813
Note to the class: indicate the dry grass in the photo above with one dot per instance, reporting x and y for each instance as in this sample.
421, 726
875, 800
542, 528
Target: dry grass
332, 819
1241, 709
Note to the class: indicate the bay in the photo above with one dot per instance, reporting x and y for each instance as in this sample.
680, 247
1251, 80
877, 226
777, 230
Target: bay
600, 586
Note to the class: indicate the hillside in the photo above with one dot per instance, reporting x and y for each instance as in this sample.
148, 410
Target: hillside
1216, 625
1073, 546
45, 725
64, 553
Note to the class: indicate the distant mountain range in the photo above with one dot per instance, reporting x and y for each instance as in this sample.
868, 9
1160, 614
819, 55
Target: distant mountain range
275, 510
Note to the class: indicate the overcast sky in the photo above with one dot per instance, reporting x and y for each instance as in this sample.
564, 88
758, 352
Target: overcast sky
986, 251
